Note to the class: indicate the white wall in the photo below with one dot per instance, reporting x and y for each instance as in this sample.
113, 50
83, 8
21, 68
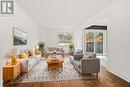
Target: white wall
42, 34
22, 21
118, 23
79, 38
119, 39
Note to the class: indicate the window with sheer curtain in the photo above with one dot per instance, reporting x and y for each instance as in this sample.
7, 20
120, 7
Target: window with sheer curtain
65, 38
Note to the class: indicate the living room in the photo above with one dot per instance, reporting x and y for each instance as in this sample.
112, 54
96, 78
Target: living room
46, 20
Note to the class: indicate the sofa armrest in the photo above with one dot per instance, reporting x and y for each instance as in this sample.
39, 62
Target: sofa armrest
90, 65
38, 57
24, 65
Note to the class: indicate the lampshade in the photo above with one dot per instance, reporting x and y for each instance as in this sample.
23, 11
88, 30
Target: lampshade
14, 52
37, 46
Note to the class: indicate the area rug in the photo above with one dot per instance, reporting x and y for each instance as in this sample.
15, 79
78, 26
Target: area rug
39, 73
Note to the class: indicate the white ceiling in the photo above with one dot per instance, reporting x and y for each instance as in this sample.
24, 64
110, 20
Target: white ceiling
62, 13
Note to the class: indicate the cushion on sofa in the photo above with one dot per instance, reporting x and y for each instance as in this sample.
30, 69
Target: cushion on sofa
22, 55
78, 56
89, 55
31, 53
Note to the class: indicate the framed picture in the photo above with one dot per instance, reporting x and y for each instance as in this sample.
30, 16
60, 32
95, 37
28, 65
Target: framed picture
64, 38
19, 37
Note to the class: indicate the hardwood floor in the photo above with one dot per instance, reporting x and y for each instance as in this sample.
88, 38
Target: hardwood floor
105, 79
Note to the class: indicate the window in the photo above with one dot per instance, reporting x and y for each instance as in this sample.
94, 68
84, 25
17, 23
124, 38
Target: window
65, 38
99, 42
94, 42
90, 42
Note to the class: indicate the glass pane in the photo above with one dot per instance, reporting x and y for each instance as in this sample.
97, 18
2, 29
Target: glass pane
99, 42
90, 42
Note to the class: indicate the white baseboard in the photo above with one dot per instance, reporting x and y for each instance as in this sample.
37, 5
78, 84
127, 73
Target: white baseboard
119, 75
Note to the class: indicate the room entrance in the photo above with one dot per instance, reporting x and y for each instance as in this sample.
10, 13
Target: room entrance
96, 41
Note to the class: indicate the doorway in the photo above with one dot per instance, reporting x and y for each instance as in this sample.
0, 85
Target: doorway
96, 41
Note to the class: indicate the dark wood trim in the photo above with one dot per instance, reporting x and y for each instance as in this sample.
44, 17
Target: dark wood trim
97, 27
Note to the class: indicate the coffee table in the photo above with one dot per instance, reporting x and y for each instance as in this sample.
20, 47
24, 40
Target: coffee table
55, 64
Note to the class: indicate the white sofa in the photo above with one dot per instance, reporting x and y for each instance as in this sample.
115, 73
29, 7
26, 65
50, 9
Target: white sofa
33, 60
28, 63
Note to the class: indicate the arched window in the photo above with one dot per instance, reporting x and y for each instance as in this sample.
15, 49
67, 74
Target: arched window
90, 37
90, 42
99, 42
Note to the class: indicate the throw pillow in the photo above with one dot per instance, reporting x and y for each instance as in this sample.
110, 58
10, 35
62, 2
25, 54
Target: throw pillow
31, 53
22, 55
78, 56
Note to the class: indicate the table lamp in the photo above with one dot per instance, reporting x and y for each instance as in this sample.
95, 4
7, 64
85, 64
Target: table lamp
13, 53
37, 51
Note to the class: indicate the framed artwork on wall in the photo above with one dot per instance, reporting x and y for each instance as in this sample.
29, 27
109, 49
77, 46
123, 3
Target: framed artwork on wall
19, 37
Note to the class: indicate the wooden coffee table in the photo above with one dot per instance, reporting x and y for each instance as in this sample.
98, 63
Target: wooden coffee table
55, 64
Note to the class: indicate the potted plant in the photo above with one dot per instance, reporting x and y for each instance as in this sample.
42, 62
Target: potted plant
41, 47
71, 49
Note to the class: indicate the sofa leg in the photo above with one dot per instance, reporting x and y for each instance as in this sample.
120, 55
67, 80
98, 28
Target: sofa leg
96, 75
27, 74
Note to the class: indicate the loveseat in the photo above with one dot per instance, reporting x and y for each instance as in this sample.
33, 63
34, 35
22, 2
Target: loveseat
86, 64
51, 50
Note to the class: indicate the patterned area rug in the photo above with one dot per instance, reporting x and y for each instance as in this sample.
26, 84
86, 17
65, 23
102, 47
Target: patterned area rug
39, 73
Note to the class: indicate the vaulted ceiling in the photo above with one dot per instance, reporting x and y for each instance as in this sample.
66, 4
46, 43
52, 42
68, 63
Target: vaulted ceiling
62, 13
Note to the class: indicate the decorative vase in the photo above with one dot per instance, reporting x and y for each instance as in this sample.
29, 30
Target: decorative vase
55, 56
